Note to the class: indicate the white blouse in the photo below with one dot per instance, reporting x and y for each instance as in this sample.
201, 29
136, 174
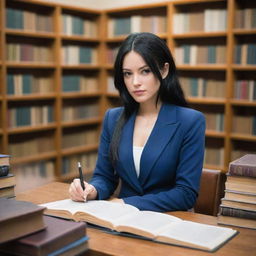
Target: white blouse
137, 151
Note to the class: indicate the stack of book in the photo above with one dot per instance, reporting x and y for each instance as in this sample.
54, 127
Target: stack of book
7, 179
238, 207
25, 231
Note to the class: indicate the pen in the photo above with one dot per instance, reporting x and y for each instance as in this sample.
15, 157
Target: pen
81, 175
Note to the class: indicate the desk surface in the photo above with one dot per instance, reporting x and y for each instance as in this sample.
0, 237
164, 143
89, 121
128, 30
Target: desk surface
101, 243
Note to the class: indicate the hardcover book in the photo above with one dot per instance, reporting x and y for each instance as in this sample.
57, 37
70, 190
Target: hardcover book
61, 237
19, 218
158, 227
244, 166
7, 181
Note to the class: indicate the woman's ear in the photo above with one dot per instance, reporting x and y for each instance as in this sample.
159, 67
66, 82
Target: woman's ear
165, 70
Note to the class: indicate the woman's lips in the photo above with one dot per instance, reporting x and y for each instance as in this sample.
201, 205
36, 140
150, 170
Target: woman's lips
139, 92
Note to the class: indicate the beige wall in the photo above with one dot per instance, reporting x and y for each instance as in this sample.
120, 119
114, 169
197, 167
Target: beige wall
104, 4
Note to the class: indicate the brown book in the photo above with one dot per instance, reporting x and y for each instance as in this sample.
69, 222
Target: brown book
240, 196
4, 159
154, 226
65, 237
237, 222
239, 205
240, 187
19, 218
7, 181
7, 192
244, 166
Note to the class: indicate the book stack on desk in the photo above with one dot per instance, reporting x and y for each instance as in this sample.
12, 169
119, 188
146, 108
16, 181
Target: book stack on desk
25, 231
238, 207
7, 179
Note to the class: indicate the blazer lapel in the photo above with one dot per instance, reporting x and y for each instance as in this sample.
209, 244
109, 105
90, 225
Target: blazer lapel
161, 134
126, 154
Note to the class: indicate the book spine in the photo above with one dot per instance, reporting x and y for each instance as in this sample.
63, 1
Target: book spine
239, 213
248, 171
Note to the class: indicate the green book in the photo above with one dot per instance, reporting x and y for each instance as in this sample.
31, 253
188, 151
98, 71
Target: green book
50, 114
211, 54
70, 83
122, 26
186, 49
26, 83
10, 84
18, 19
85, 54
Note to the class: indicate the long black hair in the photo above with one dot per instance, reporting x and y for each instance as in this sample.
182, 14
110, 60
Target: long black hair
155, 53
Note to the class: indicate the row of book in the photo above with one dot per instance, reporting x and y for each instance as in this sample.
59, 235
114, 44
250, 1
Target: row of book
77, 25
30, 116
26, 231
82, 111
199, 54
79, 83
28, 20
69, 163
22, 84
29, 52
201, 87
244, 124
245, 54
214, 156
74, 55
245, 90
238, 207
34, 144
137, 23
80, 138
245, 18
188, 22
32, 175
214, 121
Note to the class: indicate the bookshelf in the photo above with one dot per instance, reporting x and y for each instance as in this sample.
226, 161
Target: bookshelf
51, 88
57, 72
213, 80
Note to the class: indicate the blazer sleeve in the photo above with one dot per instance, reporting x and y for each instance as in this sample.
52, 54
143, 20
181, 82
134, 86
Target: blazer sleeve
184, 193
104, 178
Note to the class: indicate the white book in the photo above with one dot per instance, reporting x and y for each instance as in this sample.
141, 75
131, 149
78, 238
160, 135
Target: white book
158, 227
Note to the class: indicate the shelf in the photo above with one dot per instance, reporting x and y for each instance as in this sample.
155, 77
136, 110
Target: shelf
244, 67
30, 129
214, 101
245, 103
202, 34
80, 149
242, 31
89, 121
202, 67
84, 66
210, 133
31, 159
31, 34
79, 38
73, 95
32, 65
245, 137
32, 97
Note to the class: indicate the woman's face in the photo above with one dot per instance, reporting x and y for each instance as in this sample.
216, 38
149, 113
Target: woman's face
140, 81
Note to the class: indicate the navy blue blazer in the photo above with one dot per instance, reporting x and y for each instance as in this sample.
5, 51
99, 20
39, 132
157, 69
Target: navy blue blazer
171, 162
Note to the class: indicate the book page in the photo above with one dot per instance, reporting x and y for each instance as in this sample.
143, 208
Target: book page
145, 223
196, 234
100, 209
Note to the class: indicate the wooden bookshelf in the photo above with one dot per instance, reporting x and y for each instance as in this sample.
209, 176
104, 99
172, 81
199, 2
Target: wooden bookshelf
51, 76
208, 82
72, 73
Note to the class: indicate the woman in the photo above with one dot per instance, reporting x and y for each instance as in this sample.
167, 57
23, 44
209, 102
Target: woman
154, 144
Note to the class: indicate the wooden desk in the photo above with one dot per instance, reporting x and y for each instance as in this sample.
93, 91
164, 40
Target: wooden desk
101, 243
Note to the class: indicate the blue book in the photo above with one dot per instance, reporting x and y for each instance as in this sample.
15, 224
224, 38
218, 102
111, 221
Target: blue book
23, 116
10, 84
194, 86
186, 49
18, 19
254, 125
50, 114
238, 52
10, 18
26, 83
211, 54
70, 83
85, 55
77, 25
122, 26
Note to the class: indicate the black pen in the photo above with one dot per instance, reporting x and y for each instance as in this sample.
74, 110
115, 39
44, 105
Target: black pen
81, 175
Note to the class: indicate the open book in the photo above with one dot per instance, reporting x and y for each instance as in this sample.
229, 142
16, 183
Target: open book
156, 226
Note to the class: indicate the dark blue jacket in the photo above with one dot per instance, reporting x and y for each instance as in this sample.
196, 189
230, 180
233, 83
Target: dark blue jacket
171, 162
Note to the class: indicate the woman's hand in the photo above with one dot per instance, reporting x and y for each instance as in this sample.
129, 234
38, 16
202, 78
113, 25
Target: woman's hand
77, 193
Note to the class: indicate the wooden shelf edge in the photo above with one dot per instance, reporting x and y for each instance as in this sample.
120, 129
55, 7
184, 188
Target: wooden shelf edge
79, 150
28, 129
